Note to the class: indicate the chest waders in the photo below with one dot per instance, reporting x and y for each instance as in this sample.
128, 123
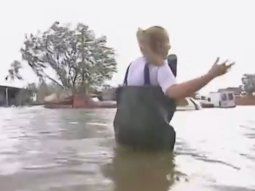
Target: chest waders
144, 113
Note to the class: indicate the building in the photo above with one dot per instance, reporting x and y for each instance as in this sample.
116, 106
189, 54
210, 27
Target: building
13, 96
109, 94
236, 90
222, 99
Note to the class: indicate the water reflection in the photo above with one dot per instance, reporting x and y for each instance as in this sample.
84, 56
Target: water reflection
143, 171
70, 149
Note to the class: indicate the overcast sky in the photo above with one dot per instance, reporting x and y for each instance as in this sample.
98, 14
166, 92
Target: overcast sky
200, 30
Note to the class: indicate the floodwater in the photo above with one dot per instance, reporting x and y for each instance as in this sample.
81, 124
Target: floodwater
74, 150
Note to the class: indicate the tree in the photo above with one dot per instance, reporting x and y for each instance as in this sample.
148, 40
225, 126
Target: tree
14, 71
71, 58
31, 87
248, 81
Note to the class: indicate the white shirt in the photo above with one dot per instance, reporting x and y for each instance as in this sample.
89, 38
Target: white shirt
159, 75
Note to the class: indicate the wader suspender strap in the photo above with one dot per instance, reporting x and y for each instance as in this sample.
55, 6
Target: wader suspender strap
126, 76
172, 61
146, 75
146, 72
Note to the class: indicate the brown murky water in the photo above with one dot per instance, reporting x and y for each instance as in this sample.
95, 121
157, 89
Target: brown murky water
62, 150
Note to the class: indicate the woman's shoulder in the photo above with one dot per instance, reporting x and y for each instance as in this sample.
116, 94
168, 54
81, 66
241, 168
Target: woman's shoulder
138, 61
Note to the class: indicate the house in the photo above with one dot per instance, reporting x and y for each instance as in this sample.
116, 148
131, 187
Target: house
109, 94
13, 96
236, 90
222, 99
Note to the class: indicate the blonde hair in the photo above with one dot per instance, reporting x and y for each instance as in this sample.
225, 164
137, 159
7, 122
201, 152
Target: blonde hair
152, 33
152, 36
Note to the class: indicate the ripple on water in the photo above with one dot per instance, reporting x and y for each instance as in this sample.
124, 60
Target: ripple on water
43, 149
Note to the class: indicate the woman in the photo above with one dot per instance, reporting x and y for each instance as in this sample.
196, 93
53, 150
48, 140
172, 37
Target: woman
146, 102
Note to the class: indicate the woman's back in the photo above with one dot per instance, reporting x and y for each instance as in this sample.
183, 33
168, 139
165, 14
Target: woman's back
143, 111
159, 75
